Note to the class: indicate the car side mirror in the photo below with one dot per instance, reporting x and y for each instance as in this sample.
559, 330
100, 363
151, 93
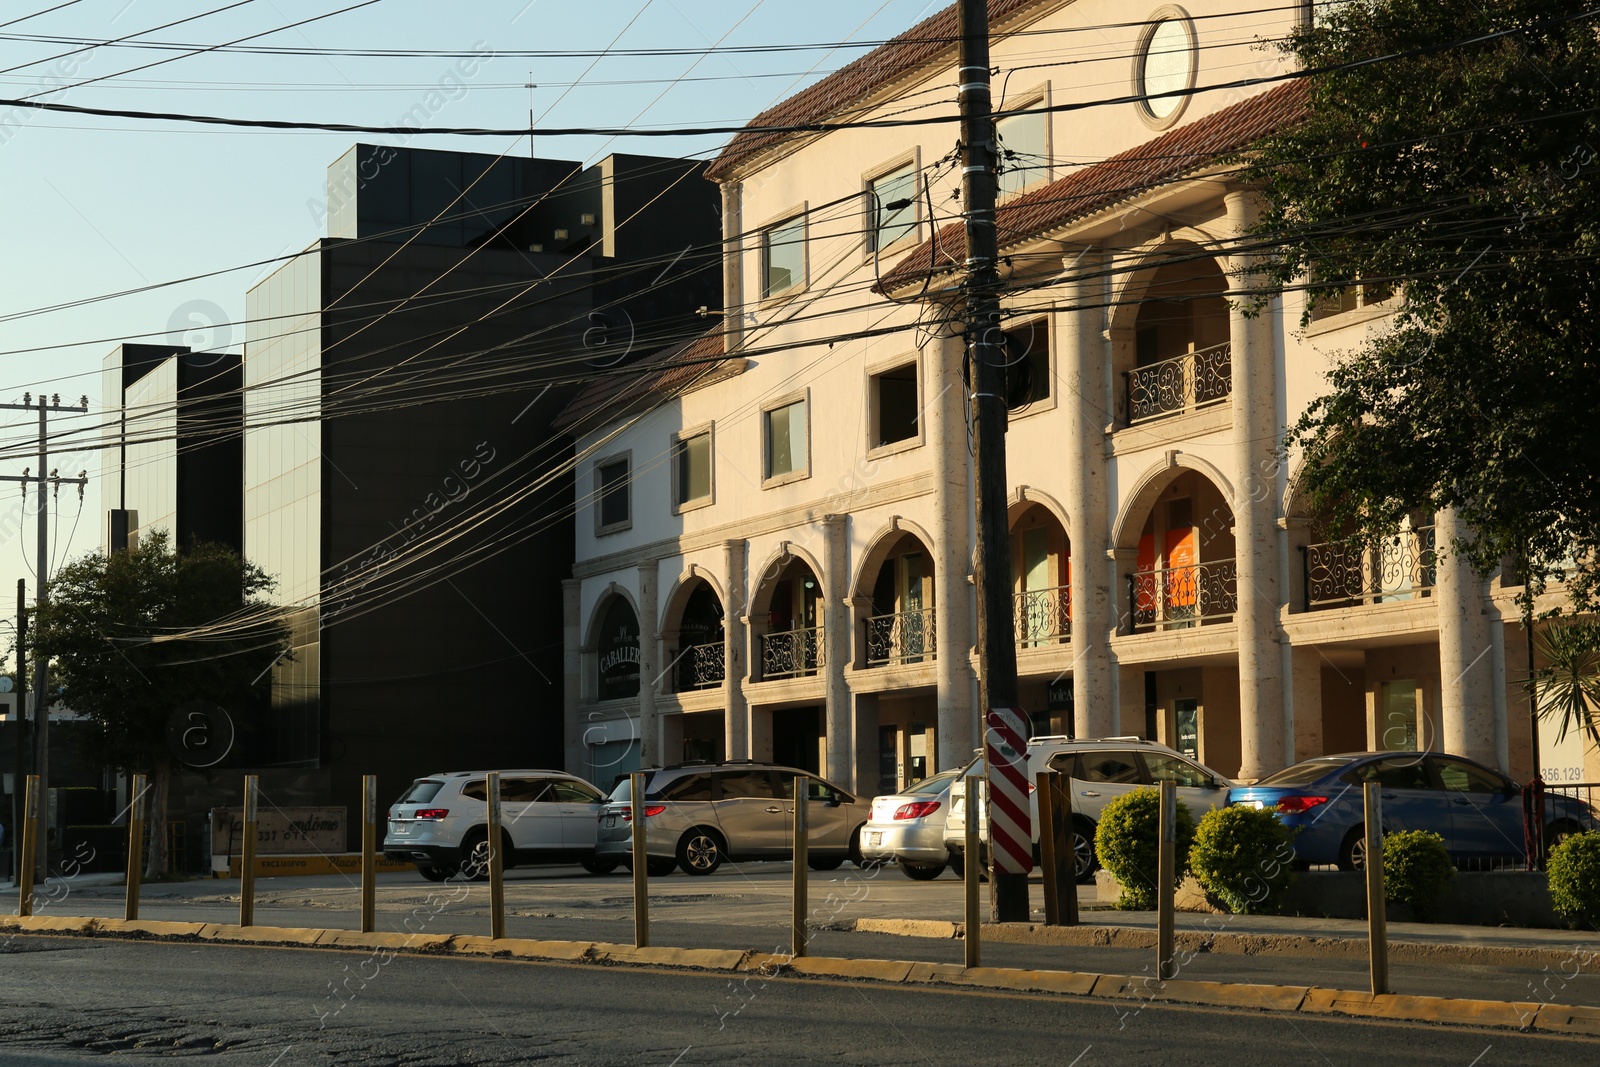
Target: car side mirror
833, 800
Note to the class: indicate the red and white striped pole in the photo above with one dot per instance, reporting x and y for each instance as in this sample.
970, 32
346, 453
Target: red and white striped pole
1010, 826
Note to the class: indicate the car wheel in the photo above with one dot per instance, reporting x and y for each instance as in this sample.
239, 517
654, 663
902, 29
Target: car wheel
432, 873
825, 865
958, 864
1353, 850
1558, 832
700, 851
922, 872
660, 868
1084, 861
601, 866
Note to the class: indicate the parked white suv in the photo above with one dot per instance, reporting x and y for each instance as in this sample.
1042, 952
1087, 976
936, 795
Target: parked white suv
441, 822
1100, 769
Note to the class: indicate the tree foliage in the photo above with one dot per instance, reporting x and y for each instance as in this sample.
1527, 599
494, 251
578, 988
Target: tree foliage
133, 637
1465, 176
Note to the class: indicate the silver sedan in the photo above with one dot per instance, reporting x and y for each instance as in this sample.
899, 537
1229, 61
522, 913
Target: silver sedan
909, 827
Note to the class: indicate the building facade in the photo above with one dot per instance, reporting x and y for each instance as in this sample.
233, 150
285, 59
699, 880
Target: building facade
775, 531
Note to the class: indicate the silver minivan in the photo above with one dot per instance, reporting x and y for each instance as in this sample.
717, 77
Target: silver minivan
698, 815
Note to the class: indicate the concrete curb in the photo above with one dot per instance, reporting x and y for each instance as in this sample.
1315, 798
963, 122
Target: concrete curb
1517, 1015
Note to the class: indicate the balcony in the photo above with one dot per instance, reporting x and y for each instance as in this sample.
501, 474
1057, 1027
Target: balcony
905, 637
1043, 616
1341, 574
791, 654
1174, 598
1182, 384
701, 667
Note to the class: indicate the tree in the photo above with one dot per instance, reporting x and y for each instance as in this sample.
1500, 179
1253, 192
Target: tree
1462, 173
138, 635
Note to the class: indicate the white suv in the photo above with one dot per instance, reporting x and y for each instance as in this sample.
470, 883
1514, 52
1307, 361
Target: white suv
1100, 769
441, 823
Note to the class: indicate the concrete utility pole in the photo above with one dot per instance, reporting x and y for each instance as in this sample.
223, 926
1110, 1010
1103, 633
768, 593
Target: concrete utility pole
997, 649
17, 802
41, 664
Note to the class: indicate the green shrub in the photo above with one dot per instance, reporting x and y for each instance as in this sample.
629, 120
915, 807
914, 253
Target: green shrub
1416, 868
1243, 858
1574, 870
1128, 840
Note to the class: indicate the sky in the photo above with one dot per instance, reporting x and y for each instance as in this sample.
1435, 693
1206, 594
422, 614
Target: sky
101, 206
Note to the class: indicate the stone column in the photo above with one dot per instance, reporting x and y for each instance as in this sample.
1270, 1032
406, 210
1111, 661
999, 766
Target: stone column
946, 410
732, 265
1466, 663
1085, 367
1306, 693
577, 756
649, 666
1255, 473
836, 634
736, 650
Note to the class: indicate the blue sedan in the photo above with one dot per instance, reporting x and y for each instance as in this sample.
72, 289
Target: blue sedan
1478, 811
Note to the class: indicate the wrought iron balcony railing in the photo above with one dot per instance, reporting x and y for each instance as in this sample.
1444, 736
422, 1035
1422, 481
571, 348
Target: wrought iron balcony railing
1345, 573
906, 637
702, 666
1170, 598
1188, 382
1043, 616
791, 653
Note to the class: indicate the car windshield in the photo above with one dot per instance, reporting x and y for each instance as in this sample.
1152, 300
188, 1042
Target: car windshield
1305, 773
623, 793
935, 783
421, 791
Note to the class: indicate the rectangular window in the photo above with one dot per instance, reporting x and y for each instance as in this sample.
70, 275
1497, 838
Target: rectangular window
693, 469
783, 257
1027, 360
1349, 298
1024, 150
786, 440
894, 394
891, 207
611, 488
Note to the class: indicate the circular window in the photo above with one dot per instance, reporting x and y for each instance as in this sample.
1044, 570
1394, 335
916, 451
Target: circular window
1165, 64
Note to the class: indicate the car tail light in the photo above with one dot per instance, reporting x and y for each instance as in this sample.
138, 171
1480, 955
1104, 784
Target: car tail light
650, 810
1296, 805
916, 809
432, 813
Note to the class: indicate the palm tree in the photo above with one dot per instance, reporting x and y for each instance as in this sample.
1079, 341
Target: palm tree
1570, 688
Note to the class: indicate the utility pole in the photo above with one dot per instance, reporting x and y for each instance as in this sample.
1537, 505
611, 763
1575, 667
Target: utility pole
41, 664
18, 803
997, 648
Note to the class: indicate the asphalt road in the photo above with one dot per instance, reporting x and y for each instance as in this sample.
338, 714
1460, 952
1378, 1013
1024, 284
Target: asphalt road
75, 1001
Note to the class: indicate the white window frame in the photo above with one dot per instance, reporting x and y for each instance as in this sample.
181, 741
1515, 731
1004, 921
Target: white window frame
708, 431
803, 468
875, 372
1168, 13
763, 251
869, 229
602, 528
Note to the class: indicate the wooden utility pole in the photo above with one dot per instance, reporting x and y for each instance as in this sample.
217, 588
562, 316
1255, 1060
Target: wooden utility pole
997, 649
41, 664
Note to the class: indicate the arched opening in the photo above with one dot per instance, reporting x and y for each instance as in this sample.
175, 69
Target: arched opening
1175, 355
1185, 574
788, 622
695, 643
901, 628
1041, 577
617, 647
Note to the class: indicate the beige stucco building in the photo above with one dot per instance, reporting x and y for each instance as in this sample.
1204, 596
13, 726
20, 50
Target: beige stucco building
774, 523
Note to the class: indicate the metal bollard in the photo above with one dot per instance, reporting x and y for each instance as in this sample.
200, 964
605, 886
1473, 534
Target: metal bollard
497, 869
247, 857
136, 808
369, 853
1166, 873
971, 866
29, 843
799, 936
1377, 908
641, 861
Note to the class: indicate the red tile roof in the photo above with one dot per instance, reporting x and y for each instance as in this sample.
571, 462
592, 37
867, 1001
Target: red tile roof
1167, 158
854, 82
665, 372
